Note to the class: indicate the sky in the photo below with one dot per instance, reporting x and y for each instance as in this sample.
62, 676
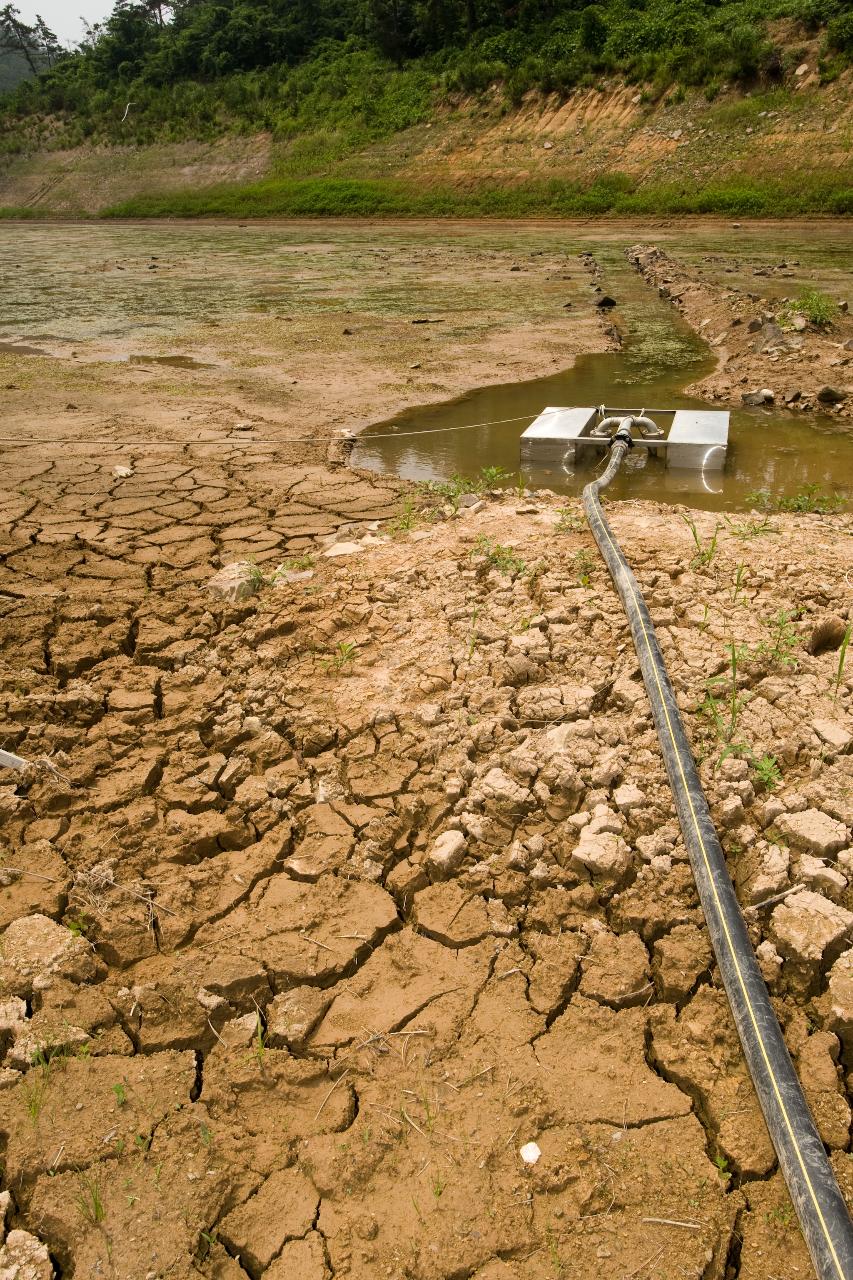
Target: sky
65, 17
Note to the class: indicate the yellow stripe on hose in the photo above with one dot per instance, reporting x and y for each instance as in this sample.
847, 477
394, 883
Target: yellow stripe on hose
603, 526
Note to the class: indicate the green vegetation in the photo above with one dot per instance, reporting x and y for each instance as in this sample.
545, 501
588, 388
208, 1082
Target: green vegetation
810, 499
197, 67
610, 194
498, 557
818, 308
328, 78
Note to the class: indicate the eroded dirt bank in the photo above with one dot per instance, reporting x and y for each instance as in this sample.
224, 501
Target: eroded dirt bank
321, 903
767, 349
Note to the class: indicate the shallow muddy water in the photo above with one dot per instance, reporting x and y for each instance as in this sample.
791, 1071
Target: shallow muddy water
179, 296
769, 448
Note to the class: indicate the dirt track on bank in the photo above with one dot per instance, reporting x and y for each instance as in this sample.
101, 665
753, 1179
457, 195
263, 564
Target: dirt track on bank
336, 896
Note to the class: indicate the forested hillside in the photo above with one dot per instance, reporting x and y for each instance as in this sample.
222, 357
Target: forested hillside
198, 67
665, 100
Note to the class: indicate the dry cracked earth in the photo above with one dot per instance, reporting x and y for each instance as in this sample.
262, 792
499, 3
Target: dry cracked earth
321, 903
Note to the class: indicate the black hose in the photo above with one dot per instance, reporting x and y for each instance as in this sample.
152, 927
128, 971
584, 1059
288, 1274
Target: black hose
819, 1204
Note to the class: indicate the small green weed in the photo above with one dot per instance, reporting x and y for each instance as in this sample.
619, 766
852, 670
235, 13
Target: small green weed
406, 520
722, 1164
584, 565
738, 582
767, 771
842, 658
502, 558
342, 658
296, 564
493, 476
438, 1185
121, 1095
811, 499
818, 308
90, 1199
79, 928
205, 1134
704, 555
568, 521
782, 643
747, 529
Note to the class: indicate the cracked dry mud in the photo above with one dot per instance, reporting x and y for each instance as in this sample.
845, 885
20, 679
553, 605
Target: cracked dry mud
302, 943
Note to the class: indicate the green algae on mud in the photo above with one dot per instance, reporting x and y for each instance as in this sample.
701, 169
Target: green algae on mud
610, 194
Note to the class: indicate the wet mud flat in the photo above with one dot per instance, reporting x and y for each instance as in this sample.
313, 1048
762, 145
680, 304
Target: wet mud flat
319, 904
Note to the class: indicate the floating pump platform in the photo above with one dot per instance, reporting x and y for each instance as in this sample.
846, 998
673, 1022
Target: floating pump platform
695, 439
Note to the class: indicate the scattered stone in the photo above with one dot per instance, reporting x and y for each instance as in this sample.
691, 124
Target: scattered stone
605, 301
24, 1257
833, 734
530, 1153
122, 473
342, 549
628, 797
293, 1015
35, 949
813, 832
809, 932
468, 500
769, 396
753, 397
828, 880
801, 70
799, 322
605, 856
831, 395
447, 854
236, 581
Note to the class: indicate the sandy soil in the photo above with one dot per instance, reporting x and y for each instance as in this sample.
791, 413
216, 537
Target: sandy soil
320, 904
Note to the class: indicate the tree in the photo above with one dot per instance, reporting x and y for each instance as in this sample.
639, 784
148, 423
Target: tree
17, 37
46, 40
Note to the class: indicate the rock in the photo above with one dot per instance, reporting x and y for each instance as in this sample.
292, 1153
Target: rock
813, 832
616, 970
35, 949
753, 397
791, 397
799, 322
754, 326
236, 581
447, 854
293, 1015
24, 1257
769, 396
827, 634
343, 549
769, 962
468, 500
833, 734
840, 996
824, 1093
801, 70
605, 301
500, 793
605, 856
772, 877
815, 873
122, 473
830, 395
629, 797
809, 933
283, 1209
679, 959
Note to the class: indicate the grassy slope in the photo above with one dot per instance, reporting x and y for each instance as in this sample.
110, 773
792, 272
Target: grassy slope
607, 150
